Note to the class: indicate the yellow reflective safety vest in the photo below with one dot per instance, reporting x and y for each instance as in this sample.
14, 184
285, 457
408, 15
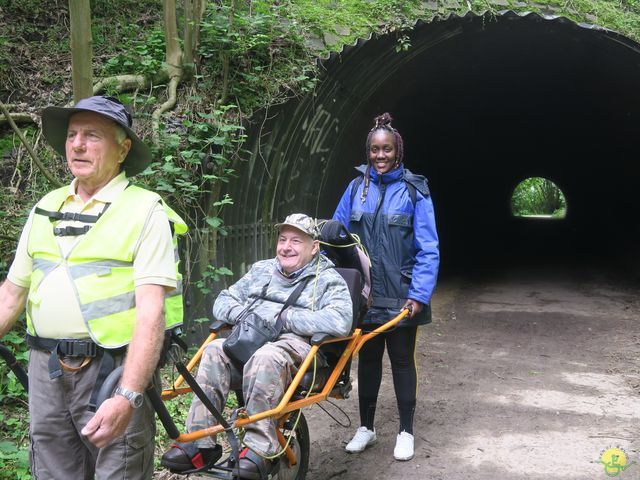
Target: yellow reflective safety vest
100, 265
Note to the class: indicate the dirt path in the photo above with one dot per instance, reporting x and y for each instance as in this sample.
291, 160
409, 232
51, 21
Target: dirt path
529, 375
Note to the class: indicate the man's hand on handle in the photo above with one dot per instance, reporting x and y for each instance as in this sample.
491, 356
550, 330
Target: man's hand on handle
414, 307
113, 416
109, 422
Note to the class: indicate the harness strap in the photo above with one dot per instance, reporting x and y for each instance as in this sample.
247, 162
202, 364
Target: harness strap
69, 347
71, 216
76, 348
208, 404
70, 231
64, 347
107, 365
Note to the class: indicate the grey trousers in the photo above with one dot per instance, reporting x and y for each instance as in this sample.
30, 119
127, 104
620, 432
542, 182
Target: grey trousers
264, 380
59, 410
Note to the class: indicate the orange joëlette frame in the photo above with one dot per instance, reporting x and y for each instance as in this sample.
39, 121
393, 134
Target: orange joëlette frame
355, 342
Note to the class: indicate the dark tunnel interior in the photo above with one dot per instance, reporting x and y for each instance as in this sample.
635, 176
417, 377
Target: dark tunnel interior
495, 104
482, 102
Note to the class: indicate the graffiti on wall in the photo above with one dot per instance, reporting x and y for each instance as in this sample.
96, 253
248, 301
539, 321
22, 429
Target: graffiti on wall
319, 132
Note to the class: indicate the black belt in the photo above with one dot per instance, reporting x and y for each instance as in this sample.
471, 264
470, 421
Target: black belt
76, 348
67, 347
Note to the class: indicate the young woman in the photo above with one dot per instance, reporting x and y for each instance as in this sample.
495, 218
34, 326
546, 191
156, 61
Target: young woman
390, 209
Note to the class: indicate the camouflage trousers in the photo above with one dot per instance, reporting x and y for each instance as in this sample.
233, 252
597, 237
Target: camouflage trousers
264, 380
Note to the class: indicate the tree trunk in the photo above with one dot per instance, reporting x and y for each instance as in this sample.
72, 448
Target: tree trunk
193, 12
188, 33
81, 49
199, 7
173, 54
225, 57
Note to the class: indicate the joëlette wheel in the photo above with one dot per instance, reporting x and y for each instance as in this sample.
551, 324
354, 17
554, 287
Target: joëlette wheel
300, 444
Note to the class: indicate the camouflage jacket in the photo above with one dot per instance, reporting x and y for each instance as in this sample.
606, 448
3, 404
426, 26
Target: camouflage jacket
324, 306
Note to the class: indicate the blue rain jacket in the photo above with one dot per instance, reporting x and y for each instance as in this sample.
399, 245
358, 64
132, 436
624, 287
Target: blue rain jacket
401, 239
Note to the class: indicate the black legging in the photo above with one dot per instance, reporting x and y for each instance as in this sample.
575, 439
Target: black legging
401, 345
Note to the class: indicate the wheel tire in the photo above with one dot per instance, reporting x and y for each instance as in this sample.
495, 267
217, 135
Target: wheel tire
301, 445
109, 385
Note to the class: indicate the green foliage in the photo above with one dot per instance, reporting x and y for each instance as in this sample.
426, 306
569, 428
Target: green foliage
14, 461
538, 196
255, 53
144, 55
14, 428
355, 18
211, 275
193, 160
21, 183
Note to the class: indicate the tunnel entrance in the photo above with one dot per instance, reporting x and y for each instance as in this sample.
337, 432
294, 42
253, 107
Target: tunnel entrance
482, 102
538, 198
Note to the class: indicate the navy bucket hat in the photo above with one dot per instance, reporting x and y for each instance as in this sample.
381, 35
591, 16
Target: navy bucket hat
55, 121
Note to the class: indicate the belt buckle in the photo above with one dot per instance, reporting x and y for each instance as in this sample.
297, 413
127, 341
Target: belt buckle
92, 351
78, 348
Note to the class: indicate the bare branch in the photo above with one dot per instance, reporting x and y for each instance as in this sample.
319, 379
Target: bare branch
35, 158
20, 118
125, 83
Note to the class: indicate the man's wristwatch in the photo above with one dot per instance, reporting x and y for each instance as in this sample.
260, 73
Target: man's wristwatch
136, 399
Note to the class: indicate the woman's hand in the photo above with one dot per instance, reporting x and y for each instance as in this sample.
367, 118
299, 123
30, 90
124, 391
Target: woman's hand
414, 307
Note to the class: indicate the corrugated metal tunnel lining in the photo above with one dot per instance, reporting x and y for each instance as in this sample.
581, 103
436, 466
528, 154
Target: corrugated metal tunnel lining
482, 102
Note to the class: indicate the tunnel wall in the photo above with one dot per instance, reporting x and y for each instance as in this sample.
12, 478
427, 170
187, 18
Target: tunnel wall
482, 102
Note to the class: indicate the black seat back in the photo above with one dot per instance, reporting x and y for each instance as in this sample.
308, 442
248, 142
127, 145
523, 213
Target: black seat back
331, 352
354, 281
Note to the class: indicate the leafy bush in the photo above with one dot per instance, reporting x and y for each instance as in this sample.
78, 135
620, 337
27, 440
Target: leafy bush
144, 55
14, 427
256, 53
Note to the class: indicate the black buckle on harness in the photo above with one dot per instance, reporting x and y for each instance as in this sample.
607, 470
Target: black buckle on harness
78, 217
71, 231
77, 348
70, 216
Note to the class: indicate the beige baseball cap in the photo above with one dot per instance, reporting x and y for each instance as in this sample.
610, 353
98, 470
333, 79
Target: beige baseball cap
302, 222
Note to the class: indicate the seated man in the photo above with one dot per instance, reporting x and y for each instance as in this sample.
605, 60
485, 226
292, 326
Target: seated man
324, 306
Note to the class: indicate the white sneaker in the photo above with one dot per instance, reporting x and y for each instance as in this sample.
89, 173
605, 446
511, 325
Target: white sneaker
361, 440
404, 447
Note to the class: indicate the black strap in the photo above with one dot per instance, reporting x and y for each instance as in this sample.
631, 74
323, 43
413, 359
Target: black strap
65, 347
291, 300
197, 390
359, 179
69, 347
71, 216
70, 231
107, 365
263, 294
15, 367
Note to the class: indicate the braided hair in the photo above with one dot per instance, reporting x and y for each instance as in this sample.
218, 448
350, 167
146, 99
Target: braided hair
382, 122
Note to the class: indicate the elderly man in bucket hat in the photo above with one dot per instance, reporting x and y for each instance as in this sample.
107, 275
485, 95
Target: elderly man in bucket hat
96, 269
324, 305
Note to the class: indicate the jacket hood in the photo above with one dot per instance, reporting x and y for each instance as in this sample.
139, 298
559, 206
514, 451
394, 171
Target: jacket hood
389, 177
401, 173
